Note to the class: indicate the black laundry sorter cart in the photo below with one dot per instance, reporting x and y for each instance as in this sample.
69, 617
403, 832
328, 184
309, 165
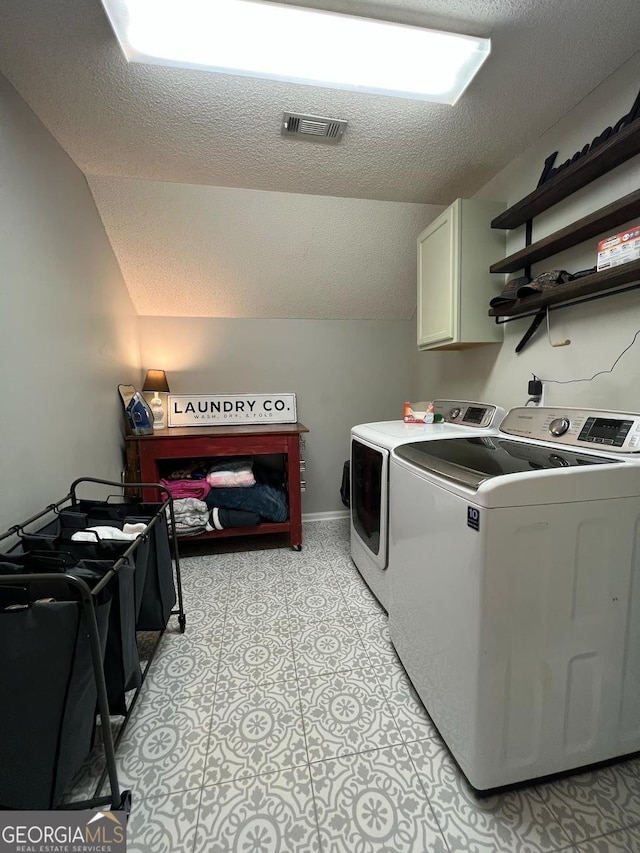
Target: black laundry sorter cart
69, 611
155, 592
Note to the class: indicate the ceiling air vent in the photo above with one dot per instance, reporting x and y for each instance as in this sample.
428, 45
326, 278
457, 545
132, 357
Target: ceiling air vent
315, 128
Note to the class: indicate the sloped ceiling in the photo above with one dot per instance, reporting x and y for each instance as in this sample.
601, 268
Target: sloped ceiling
129, 126
196, 251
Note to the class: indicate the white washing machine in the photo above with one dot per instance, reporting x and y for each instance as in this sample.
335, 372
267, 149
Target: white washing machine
371, 445
515, 594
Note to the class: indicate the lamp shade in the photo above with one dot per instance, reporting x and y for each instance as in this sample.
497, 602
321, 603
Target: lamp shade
156, 380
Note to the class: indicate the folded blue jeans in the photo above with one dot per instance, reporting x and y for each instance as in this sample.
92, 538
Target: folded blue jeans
266, 501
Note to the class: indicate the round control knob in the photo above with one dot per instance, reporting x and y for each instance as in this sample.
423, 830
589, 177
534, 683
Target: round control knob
559, 426
558, 461
452, 414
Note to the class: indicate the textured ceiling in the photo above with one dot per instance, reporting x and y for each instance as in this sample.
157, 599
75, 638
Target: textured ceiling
159, 145
192, 127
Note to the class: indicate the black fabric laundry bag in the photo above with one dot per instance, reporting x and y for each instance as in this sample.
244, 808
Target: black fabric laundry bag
121, 662
69, 522
122, 670
158, 595
49, 695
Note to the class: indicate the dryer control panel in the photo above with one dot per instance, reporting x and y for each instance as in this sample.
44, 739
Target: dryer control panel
478, 415
614, 431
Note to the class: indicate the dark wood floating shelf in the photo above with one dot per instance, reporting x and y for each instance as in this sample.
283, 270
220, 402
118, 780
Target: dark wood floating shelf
598, 281
609, 217
624, 145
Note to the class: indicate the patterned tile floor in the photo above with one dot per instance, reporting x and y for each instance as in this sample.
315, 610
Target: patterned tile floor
281, 721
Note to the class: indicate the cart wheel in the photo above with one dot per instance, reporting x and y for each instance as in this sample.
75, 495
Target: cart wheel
183, 623
125, 803
297, 547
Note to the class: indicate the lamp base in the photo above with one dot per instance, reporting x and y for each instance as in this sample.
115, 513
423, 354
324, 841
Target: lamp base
157, 410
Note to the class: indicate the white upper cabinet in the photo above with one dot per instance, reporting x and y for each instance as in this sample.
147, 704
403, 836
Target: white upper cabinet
454, 284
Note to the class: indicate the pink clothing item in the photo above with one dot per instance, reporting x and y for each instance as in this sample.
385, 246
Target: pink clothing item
229, 479
187, 488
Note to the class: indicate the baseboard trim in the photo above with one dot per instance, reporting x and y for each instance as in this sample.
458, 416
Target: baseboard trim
325, 516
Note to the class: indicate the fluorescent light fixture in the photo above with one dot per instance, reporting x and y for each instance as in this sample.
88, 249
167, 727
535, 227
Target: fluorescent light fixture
299, 45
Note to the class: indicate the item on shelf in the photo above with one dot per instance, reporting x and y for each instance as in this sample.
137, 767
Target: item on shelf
138, 415
191, 469
207, 410
519, 288
269, 502
544, 281
583, 273
187, 488
192, 517
221, 519
156, 382
587, 164
509, 292
619, 248
231, 472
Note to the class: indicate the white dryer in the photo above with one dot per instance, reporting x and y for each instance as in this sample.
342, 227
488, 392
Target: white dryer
515, 600
371, 445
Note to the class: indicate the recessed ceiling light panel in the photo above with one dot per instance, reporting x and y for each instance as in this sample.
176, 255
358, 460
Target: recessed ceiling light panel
299, 45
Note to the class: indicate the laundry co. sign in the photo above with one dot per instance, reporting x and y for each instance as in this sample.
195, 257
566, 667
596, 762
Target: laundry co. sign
210, 410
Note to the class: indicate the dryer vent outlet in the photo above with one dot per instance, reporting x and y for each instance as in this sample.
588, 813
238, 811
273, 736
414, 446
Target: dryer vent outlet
313, 128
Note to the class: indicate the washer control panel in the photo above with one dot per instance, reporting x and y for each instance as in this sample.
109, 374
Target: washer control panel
616, 431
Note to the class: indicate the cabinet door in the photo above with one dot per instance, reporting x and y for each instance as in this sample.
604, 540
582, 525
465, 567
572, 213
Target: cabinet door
438, 279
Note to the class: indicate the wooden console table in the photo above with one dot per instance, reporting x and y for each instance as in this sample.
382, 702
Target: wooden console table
144, 452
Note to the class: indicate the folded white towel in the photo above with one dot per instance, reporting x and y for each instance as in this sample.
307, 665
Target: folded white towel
128, 533
137, 527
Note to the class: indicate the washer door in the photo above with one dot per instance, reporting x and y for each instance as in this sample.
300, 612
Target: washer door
369, 497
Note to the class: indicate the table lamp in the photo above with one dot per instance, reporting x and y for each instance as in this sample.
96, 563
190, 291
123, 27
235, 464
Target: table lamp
156, 381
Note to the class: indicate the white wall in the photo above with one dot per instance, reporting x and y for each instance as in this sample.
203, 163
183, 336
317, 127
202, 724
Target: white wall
68, 332
343, 372
600, 330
